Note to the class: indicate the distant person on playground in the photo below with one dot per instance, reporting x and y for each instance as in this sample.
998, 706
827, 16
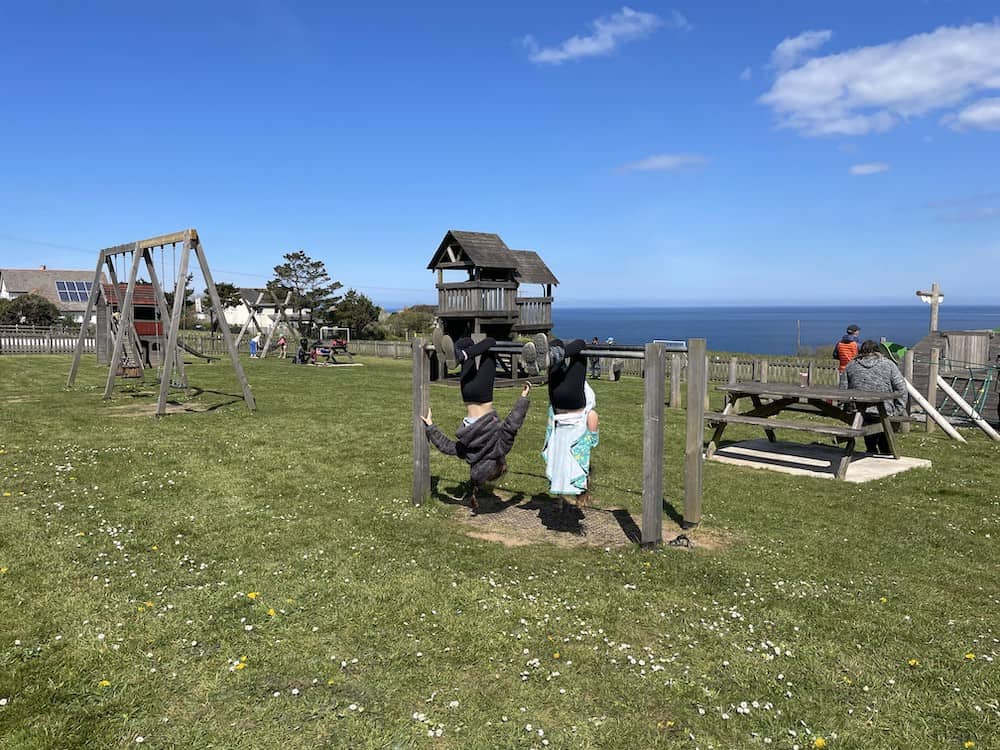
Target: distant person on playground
595, 362
482, 440
870, 371
846, 350
254, 345
283, 346
573, 425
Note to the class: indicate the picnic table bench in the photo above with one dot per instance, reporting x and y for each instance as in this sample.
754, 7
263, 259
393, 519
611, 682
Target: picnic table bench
844, 406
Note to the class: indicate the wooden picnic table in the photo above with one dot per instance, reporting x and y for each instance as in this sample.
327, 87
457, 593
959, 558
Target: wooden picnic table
844, 406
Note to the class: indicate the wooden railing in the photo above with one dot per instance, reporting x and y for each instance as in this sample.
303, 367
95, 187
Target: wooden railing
535, 312
37, 340
477, 298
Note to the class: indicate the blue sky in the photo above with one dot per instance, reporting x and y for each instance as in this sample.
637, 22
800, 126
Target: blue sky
654, 153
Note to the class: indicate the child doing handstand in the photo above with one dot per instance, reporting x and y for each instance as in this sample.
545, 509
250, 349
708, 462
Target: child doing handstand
573, 426
483, 440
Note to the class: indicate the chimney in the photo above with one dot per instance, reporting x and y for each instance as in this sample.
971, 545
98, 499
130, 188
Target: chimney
42, 268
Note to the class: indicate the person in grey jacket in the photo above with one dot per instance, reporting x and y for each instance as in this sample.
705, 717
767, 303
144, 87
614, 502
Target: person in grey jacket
483, 440
870, 371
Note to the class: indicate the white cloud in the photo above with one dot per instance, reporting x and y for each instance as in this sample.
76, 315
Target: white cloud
872, 89
664, 163
747, 74
983, 115
608, 33
792, 49
860, 170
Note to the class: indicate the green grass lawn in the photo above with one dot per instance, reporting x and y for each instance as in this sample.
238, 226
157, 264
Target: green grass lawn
229, 580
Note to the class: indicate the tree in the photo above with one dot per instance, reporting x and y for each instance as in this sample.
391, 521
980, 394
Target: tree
309, 283
28, 309
417, 319
357, 312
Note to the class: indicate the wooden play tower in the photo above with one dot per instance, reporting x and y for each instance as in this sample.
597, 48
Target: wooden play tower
490, 299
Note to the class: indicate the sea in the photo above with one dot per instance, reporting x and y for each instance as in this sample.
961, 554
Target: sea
766, 330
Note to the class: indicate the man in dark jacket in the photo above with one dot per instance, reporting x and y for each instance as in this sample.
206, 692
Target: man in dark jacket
870, 371
483, 440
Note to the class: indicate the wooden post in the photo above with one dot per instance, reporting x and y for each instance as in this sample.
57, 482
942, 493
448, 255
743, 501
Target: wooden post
95, 291
811, 374
164, 309
675, 381
124, 323
227, 336
932, 384
935, 294
693, 459
652, 447
763, 371
421, 402
908, 374
732, 370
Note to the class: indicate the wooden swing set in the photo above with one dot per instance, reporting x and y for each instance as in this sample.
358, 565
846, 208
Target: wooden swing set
126, 355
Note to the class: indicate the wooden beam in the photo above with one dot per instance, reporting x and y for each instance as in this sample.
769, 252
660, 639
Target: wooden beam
932, 377
124, 322
908, 374
695, 435
164, 310
421, 403
652, 447
173, 329
169, 239
95, 290
227, 336
675, 381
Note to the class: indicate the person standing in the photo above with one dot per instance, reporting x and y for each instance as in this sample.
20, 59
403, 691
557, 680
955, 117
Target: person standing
254, 345
846, 350
283, 346
595, 362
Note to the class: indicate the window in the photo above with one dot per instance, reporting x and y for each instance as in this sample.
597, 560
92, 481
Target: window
73, 291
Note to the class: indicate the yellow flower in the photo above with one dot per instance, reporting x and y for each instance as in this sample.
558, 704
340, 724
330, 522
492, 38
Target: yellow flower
148, 604
154, 548
4, 569
331, 681
241, 665
883, 600
555, 655
104, 683
819, 742
968, 743
81, 533
252, 595
970, 656
914, 662
6, 494
271, 612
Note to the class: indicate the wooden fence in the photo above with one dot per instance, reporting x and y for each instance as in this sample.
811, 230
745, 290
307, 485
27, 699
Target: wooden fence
29, 340
35, 340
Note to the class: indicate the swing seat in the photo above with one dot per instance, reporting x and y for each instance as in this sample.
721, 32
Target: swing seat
129, 371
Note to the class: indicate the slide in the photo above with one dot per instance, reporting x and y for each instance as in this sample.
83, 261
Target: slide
195, 352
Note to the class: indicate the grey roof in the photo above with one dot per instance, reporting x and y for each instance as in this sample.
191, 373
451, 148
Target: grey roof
484, 249
42, 282
531, 269
250, 294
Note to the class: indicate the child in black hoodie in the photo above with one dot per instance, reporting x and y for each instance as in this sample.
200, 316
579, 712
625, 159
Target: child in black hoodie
483, 440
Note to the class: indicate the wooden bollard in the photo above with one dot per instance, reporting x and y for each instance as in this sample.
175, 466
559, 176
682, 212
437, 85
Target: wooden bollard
695, 434
763, 371
675, 381
811, 374
421, 402
652, 447
908, 374
733, 364
932, 387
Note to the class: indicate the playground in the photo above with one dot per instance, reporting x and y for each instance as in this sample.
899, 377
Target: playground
247, 579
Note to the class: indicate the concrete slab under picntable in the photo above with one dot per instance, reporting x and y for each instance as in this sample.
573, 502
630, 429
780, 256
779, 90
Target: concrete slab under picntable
813, 460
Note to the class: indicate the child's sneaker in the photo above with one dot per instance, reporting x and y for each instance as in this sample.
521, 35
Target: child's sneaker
529, 358
448, 352
541, 342
556, 354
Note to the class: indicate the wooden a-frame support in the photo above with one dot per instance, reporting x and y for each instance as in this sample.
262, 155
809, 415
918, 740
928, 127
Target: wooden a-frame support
140, 251
258, 307
654, 374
